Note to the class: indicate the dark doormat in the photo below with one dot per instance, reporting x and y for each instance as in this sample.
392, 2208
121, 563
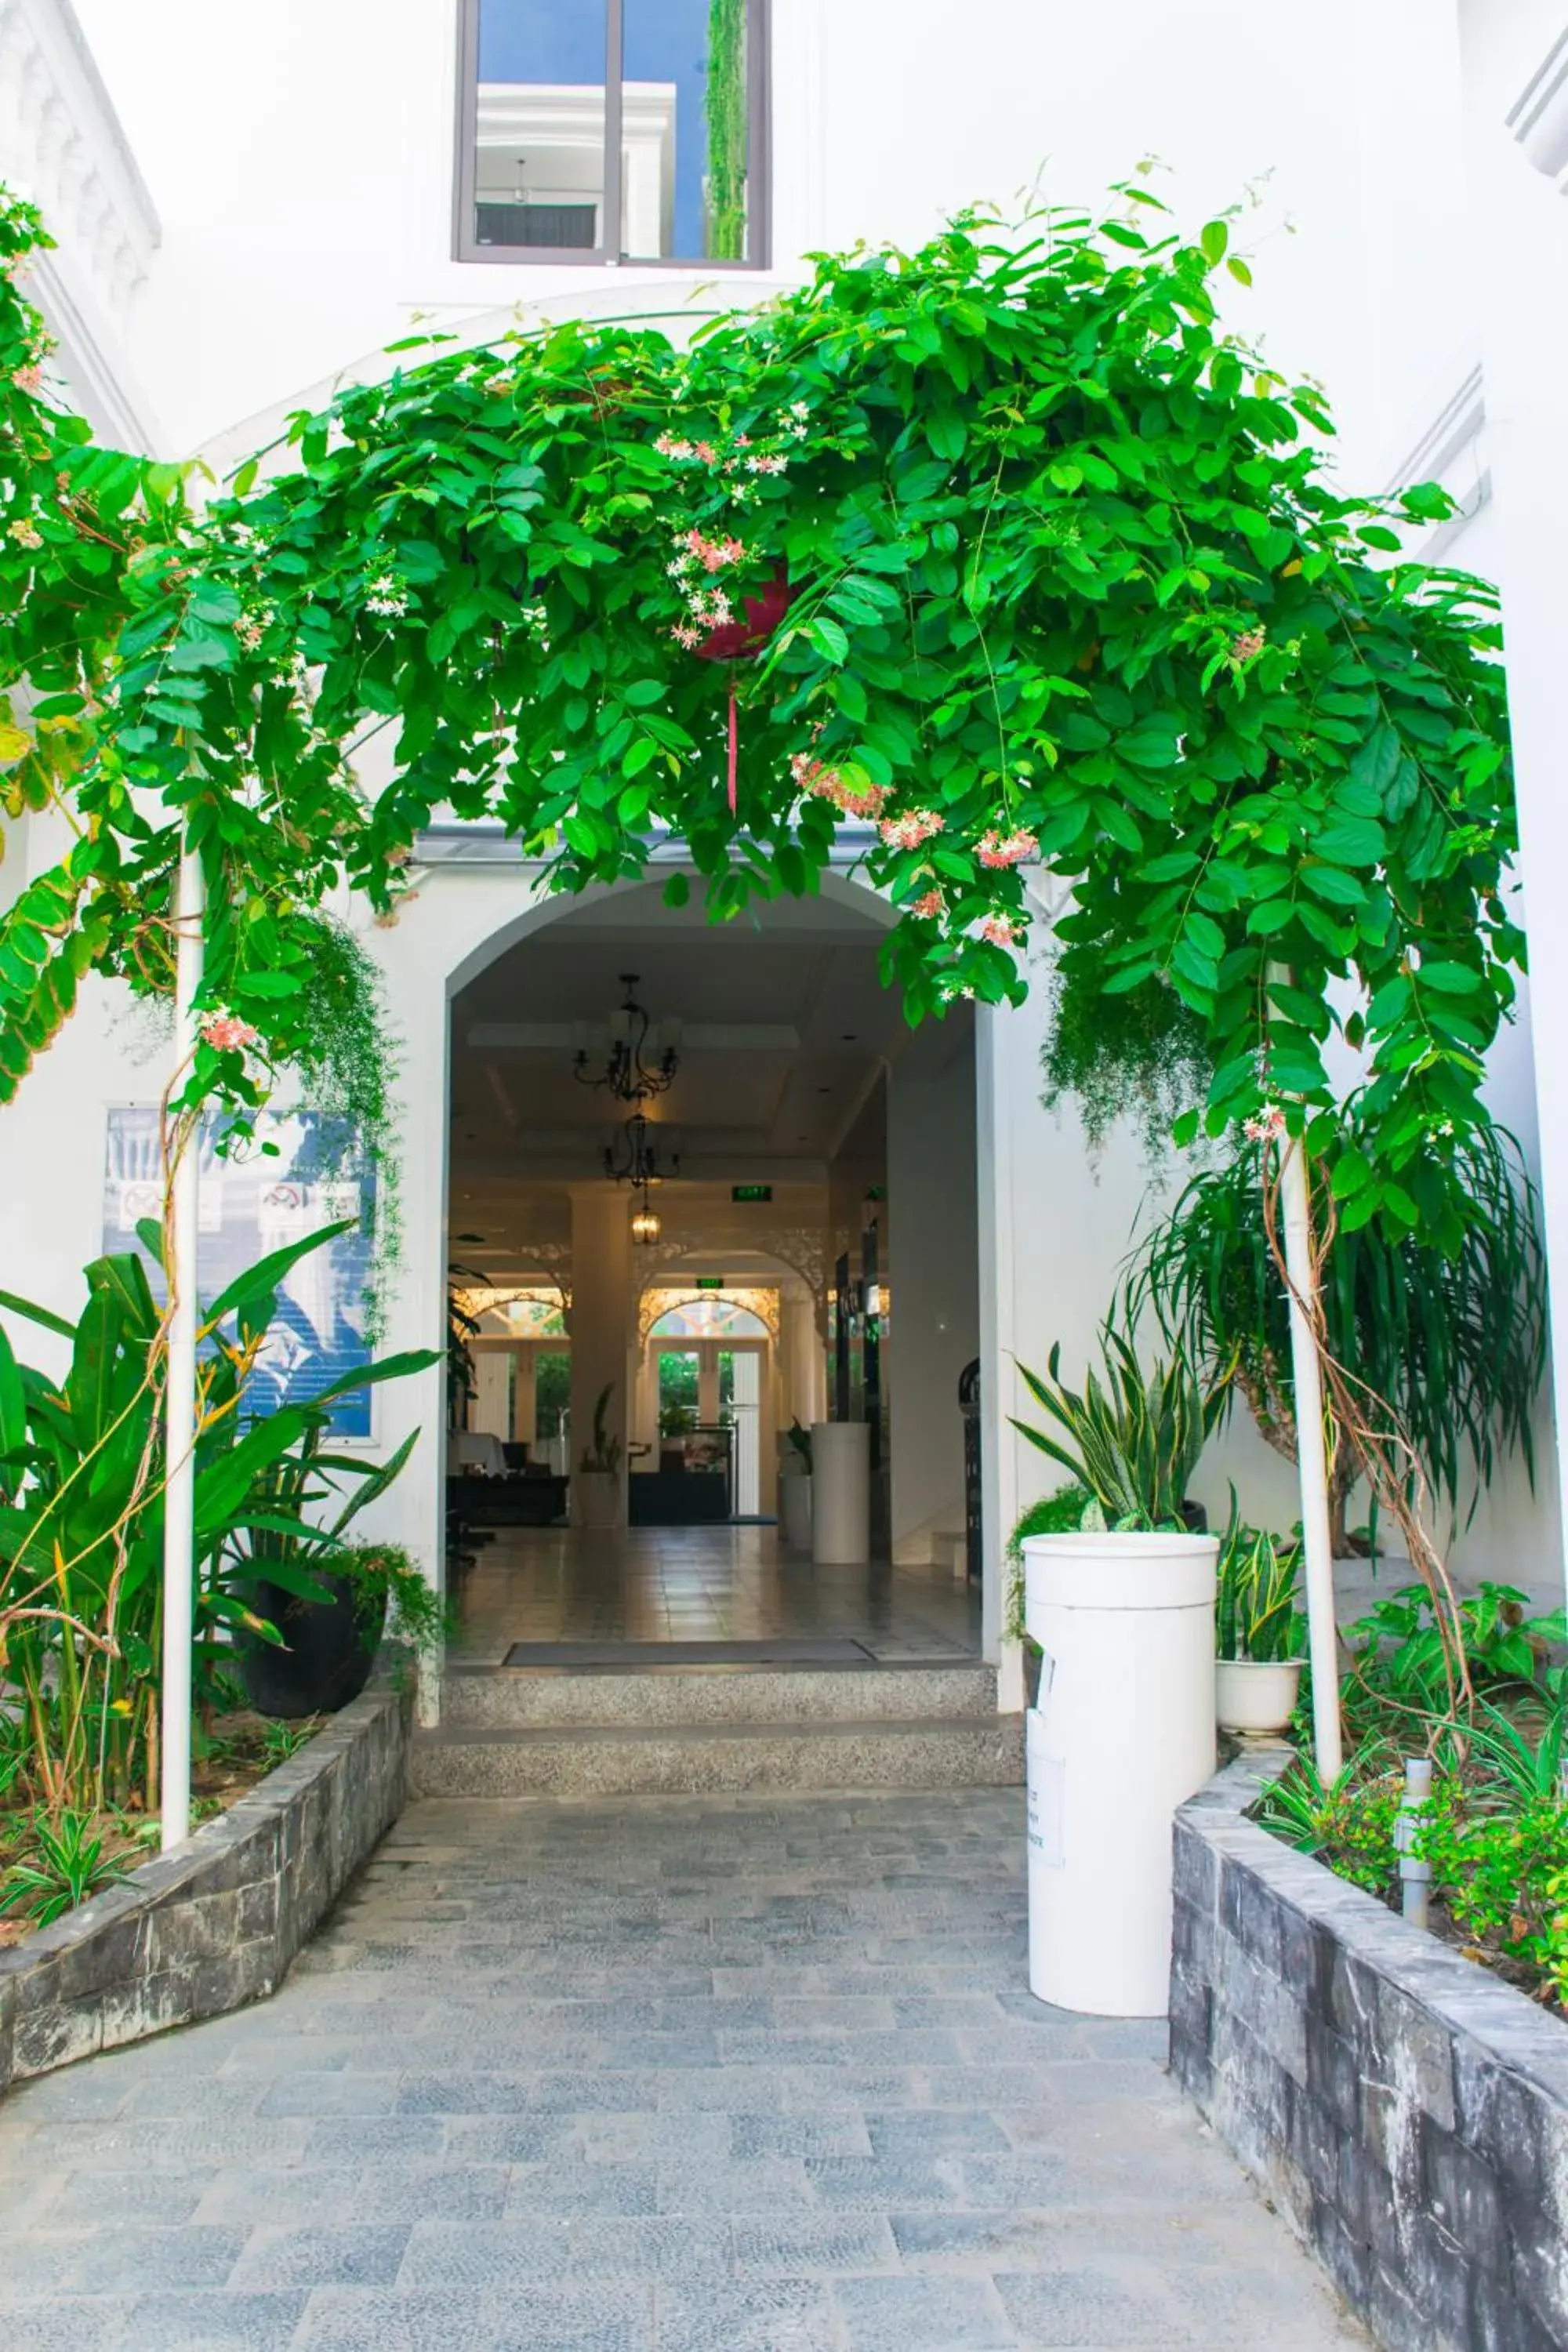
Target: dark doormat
787, 1650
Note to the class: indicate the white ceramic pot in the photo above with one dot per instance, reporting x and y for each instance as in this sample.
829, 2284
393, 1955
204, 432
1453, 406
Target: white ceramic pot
1255, 1696
1123, 1733
595, 1499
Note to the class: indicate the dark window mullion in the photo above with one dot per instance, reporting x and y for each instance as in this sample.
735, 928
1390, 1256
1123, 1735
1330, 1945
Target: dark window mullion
614, 54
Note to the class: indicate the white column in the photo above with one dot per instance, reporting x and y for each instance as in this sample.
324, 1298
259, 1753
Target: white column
601, 1302
180, 1385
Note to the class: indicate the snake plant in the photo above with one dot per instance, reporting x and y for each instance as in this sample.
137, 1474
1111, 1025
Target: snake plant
1132, 1437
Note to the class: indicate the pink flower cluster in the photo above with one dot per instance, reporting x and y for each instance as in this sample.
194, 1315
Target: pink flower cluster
1268, 1124
1001, 930
928, 905
827, 784
1248, 646
1005, 848
909, 832
709, 607
227, 1034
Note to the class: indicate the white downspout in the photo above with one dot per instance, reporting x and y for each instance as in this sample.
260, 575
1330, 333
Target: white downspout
180, 1383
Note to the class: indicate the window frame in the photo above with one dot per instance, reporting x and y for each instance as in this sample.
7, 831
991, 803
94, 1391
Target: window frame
759, 172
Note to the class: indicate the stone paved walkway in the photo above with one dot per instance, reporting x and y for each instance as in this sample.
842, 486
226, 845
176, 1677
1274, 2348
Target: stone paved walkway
665, 2075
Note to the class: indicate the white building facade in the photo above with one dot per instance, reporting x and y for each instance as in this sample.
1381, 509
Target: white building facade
244, 217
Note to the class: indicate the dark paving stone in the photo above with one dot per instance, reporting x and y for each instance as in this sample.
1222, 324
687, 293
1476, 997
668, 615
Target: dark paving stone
212, 2323
763, 2315
922, 2315
353, 2255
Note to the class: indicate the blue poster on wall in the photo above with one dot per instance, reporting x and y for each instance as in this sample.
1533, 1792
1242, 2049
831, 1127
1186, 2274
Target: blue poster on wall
251, 1203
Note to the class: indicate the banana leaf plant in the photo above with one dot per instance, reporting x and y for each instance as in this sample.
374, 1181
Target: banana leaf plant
82, 1473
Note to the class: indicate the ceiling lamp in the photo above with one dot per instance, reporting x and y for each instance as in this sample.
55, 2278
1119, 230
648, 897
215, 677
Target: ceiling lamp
645, 1224
628, 1077
633, 1157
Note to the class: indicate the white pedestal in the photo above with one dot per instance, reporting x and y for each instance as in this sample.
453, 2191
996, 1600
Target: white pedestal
794, 1509
1123, 1733
840, 1493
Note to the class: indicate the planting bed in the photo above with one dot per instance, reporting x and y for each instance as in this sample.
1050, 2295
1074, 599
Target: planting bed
1407, 2109
216, 1922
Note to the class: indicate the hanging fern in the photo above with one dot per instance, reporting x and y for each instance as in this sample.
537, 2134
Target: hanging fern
1137, 1054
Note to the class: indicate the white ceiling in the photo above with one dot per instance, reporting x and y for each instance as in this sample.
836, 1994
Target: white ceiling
784, 1030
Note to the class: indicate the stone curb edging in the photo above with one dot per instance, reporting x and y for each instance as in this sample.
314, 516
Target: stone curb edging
215, 1923
1405, 2108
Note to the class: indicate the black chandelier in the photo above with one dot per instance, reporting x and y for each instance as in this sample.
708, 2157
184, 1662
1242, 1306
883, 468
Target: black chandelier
628, 1077
633, 1157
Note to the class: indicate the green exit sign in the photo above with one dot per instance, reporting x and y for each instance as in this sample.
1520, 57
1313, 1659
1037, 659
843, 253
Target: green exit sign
709, 1282
751, 1192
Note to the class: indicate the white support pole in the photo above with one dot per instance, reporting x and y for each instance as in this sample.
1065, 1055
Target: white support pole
180, 1390
1311, 1458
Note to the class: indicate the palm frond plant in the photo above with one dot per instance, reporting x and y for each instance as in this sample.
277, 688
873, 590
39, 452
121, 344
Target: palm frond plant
1453, 1338
1132, 1437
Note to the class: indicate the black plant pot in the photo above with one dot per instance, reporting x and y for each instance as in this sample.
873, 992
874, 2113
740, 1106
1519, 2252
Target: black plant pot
331, 1646
1195, 1518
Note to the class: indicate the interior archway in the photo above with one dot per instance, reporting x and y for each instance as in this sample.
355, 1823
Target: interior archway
812, 1183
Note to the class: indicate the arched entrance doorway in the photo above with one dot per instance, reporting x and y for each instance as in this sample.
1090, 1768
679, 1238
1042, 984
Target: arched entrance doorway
812, 1193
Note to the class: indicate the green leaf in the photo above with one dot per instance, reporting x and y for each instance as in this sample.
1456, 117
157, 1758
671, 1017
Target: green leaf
828, 637
1214, 236
259, 1280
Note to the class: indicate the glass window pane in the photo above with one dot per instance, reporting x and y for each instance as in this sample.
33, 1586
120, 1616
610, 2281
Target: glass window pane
538, 164
684, 130
552, 1393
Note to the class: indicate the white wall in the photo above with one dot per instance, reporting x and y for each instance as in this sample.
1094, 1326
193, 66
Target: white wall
302, 168
933, 1246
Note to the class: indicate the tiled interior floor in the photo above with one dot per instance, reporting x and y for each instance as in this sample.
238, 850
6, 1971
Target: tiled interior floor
695, 1584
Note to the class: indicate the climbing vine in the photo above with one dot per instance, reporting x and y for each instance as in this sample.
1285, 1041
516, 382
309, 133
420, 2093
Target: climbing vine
1003, 552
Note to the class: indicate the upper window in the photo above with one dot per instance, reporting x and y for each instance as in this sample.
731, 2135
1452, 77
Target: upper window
613, 130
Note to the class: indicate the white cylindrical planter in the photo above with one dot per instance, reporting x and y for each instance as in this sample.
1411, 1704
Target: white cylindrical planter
840, 1493
595, 1499
794, 1509
1124, 1733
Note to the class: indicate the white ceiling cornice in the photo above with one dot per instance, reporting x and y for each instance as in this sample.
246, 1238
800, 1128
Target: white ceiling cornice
1538, 117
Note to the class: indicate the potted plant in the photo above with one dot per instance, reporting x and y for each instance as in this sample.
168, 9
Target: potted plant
318, 1604
795, 1488
1122, 1606
1258, 1630
596, 1489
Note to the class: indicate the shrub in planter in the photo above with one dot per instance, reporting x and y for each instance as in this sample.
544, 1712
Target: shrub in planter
1123, 1731
1259, 1630
318, 1604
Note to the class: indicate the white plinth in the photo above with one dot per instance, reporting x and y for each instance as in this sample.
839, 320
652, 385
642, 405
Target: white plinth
1124, 1733
794, 1511
840, 1493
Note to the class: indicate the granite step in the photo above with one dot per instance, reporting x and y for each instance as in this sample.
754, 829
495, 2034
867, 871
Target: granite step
532, 1699
604, 1760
